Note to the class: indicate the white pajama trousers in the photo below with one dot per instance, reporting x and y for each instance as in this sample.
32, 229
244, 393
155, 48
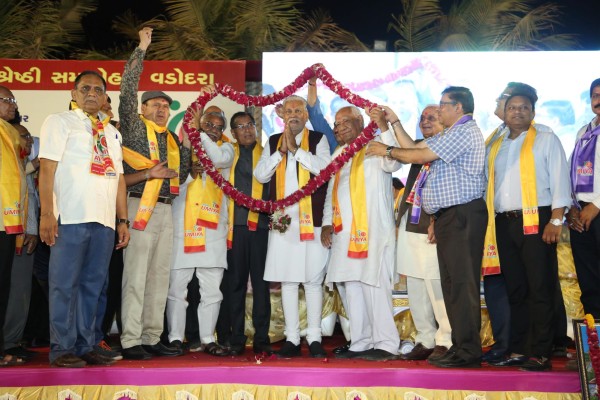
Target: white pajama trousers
427, 306
210, 302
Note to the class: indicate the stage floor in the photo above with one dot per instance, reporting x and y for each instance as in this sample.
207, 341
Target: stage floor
203, 369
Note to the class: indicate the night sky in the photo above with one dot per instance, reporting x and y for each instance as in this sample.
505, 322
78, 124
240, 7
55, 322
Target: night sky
369, 20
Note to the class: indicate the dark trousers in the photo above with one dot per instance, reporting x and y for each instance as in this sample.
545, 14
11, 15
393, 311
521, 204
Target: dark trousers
586, 254
498, 306
529, 268
460, 232
37, 330
247, 259
7, 253
111, 295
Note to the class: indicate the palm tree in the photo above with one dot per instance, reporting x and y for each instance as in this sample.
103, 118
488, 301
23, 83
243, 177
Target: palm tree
43, 28
475, 25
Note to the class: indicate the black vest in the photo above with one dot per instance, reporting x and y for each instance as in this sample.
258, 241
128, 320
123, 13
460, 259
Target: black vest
318, 197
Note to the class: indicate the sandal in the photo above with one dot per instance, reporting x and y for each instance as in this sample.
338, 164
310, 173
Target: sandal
215, 350
10, 361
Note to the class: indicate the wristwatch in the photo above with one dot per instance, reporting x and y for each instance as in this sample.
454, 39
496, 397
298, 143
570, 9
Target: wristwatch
388, 151
123, 221
556, 222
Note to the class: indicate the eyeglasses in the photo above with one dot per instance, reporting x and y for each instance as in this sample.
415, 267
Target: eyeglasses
595, 96
86, 89
342, 122
444, 103
518, 108
26, 136
9, 100
249, 125
210, 125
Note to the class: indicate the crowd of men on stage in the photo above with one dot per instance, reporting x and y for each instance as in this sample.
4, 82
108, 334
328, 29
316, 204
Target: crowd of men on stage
471, 207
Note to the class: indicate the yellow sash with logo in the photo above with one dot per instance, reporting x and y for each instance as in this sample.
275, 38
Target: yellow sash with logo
11, 180
359, 233
257, 190
491, 258
307, 229
152, 187
202, 209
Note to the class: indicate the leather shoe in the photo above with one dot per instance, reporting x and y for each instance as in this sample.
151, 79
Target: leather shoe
434, 360
135, 353
378, 355
237, 349
509, 361
95, 358
536, 364
289, 350
68, 361
438, 353
352, 354
419, 352
263, 349
160, 349
455, 361
493, 357
21, 352
342, 349
316, 350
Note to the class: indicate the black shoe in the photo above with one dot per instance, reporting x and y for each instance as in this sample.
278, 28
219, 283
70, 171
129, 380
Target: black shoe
68, 361
378, 355
135, 353
458, 362
316, 350
536, 364
434, 360
493, 356
160, 349
95, 358
352, 354
237, 349
342, 349
176, 345
509, 361
419, 352
21, 352
263, 349
289, 350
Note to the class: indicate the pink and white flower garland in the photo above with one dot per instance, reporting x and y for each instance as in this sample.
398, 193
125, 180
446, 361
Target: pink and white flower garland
336, 164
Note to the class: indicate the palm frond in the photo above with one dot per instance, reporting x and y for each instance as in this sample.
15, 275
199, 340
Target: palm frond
417, 25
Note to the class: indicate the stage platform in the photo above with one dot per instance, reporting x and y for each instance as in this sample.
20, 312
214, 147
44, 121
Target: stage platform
201, 376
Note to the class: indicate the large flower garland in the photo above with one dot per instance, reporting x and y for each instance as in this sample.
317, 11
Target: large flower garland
593, 344
326, 173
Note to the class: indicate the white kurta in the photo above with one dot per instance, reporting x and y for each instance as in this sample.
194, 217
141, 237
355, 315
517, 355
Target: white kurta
416, 257
288, 258
216, 239
380, 211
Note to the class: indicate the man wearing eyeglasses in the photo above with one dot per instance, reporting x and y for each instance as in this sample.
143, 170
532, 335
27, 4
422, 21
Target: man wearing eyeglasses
295, 256
155, 162
452, 191
13, 192
82, 196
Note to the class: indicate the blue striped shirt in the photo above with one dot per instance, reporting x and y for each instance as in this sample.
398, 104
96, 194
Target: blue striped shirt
458, 176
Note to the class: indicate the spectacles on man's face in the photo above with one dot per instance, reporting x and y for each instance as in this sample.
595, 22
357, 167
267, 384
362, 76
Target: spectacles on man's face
85, 89
430, 118
9, 100
26, 136
447, 103
249, 125
211, 126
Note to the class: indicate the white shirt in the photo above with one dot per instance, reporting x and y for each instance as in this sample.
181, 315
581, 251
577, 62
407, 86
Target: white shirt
288, 258
79, 195
380, 214
591, 197
551, 171
215, 255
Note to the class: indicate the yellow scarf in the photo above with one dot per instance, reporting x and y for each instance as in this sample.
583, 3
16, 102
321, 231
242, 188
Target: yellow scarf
152, 187
257, 190
491, 259
202, 209
11, 180
307, 229
359, 234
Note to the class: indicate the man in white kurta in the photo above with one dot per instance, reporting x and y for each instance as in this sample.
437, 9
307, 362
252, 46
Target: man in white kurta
291, 260
208, 265
368, 281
